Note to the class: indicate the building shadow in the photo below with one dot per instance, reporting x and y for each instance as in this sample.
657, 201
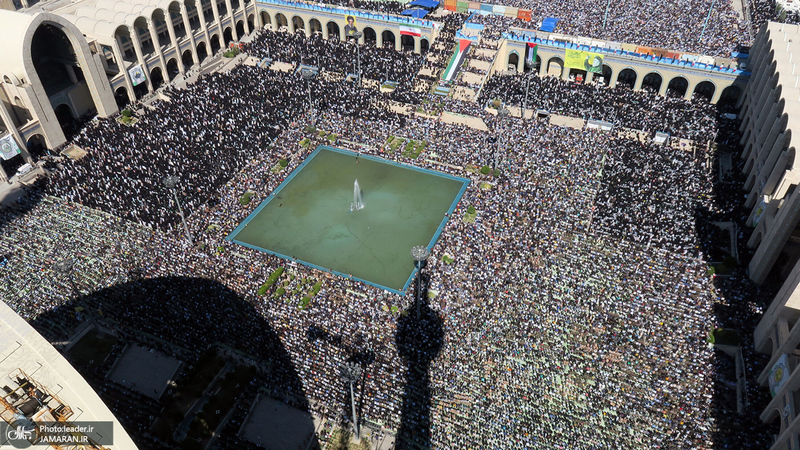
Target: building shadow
419, 340
185, 317
737, 399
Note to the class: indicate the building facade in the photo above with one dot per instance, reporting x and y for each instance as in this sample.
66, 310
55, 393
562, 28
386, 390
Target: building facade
770, 109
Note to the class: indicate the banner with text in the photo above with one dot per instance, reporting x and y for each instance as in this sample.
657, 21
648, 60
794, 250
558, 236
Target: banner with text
8, 147
588, 61
137, 75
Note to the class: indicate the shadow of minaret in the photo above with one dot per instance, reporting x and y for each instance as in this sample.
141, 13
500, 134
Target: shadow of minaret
419, 341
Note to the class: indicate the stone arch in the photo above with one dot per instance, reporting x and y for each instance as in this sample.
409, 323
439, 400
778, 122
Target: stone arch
555, 66
280, 21
705, 89
227, 37
513, 60
333, 30
627, 77
607, 74
251, 21
145, 40
240, 28
193, 15
122, 97
265, 18
202, 51
6, 79
424, 45
156, 77
298, 24
677, 86
730, 96
653, 81
187, 58
36, 146
407, 43
174, 12
215, 44
315, 25
20, 111
48, 34
388, 39
172, 69
370, 37
160, 24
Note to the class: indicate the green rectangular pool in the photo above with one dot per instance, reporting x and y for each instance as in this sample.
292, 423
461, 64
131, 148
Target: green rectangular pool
308, 218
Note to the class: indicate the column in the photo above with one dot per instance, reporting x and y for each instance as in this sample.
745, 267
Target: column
137, 47
189, 33
174, 40
201, 16
637, 85
124, 70
247, 28
157, 46
418, 45
71, 73
233, 20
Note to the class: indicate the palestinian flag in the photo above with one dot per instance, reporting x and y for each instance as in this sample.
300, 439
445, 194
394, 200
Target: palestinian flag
410, 30
457, 59
532, 50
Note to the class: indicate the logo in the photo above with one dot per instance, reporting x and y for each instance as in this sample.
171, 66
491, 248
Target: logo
21, 436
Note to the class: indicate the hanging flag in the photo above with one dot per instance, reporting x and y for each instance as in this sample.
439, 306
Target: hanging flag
458, 57
779, 374
410, 30
8, 147
532, 50
137, 75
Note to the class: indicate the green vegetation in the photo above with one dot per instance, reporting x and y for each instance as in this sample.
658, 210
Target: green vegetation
722, 336
283, 162
304, 302
332, 137
394, 309
470, 215
396, 142
496, 173
311, 129
127, 112
305, 142
321, 133
245, 199
273, 277
212, 228
230, 53
279, 292
485, 170
414, 148
447, 260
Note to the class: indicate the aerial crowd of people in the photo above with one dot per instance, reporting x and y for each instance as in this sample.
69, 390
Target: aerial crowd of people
574, 301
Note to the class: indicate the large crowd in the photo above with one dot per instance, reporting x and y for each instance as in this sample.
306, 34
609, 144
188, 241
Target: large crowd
574, 305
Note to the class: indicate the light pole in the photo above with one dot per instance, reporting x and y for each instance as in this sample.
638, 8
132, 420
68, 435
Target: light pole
170, 182
529, 66
420, 254
308, 75
350, 373
357, 35
502, 113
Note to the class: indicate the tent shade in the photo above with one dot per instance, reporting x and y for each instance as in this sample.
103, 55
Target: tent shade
415, 12
549, 24
424, 3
